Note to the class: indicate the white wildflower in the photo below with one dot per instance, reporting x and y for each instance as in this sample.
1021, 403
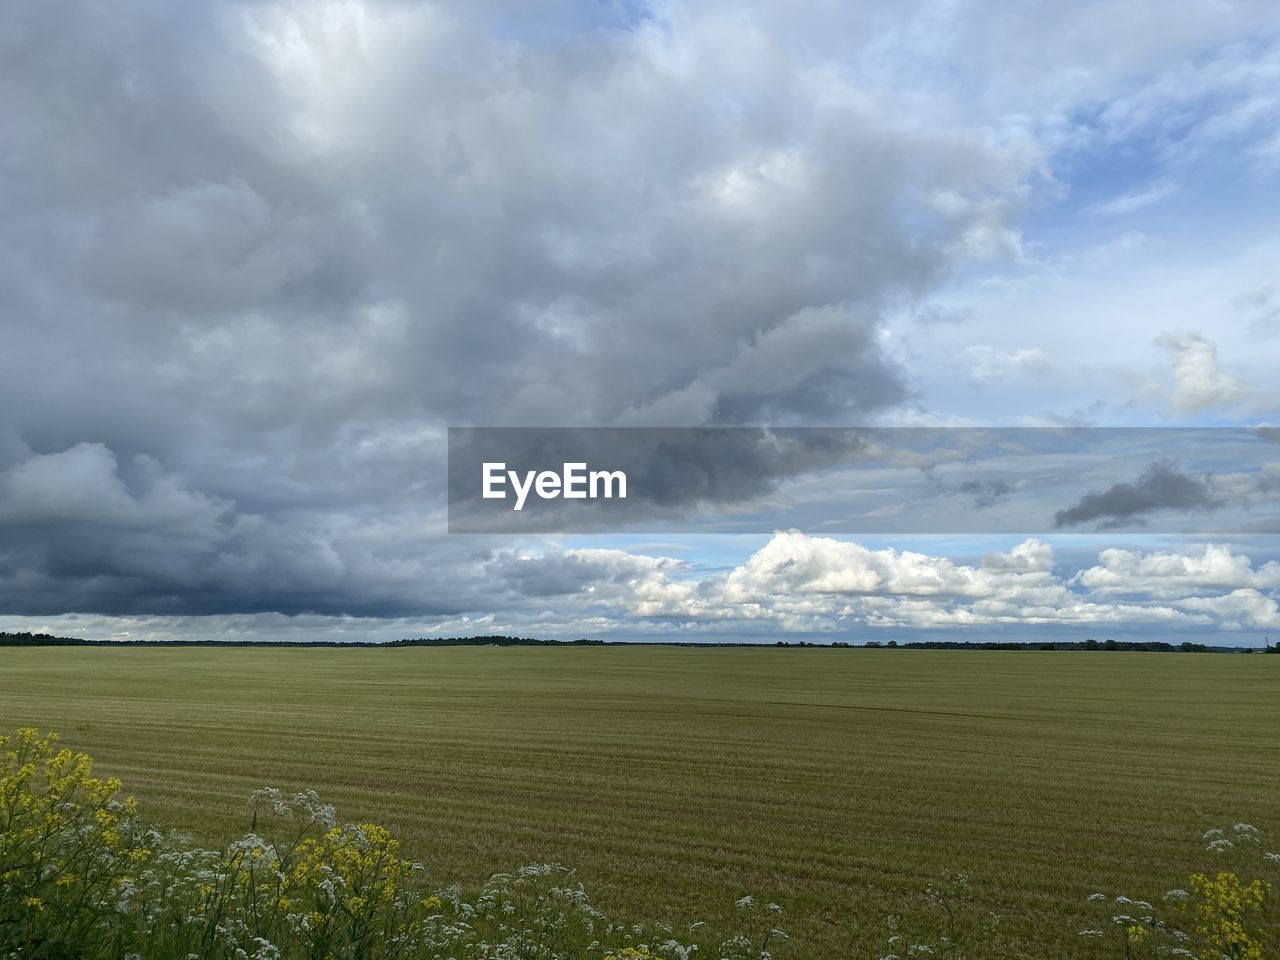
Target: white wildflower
320, 814
253, 847
273, 799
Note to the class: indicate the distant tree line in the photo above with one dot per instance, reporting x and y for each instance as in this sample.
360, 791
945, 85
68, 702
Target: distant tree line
45, 640
1146, 646
40, 640
498, 640
494, 641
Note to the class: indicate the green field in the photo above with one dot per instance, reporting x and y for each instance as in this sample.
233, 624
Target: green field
836, 782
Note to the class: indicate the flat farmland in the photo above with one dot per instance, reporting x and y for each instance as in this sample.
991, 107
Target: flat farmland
838, 783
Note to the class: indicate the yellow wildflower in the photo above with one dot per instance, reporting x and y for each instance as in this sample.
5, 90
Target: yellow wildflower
1223, 910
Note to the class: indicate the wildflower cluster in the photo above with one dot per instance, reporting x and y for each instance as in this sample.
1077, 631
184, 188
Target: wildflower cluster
66, 838
1224, 909
1217, 915
1227, 912
1136, 928
81, 876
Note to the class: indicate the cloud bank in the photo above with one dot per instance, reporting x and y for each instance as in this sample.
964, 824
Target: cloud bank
801, 586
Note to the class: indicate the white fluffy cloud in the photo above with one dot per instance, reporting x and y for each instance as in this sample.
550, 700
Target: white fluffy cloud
1177, 574
1239, 609
793, 562
1199, 383
803, 583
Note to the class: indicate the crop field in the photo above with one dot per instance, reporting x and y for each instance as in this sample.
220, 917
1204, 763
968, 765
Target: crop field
838, 783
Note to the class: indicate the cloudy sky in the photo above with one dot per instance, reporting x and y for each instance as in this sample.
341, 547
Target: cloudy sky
257, 257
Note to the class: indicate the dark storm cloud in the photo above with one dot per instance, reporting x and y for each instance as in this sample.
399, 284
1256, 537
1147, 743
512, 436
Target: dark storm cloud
79, 532
986, 493
1160, 487
254, 257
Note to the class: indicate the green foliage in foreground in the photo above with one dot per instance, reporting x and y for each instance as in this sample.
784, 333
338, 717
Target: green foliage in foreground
81, 876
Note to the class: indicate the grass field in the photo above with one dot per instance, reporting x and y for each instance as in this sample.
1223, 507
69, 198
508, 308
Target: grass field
837, 782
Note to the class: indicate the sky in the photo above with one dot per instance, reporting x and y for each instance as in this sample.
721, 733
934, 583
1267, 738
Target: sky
257, 257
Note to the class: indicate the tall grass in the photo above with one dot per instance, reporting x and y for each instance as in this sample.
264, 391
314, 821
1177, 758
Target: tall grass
83, 876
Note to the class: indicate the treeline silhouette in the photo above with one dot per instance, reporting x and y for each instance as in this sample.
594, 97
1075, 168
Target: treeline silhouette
495, 641
45, 640
40, 640
1145, 646
498, 640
